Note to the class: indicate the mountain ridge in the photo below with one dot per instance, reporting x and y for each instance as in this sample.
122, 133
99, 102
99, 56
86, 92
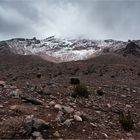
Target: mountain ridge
61, 50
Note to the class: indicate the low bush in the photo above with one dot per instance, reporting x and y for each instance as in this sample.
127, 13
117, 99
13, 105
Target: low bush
80, 91
38, 75
74, 81
100, 92
138, 73
126, 121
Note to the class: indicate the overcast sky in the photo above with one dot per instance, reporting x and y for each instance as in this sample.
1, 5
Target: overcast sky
94, 19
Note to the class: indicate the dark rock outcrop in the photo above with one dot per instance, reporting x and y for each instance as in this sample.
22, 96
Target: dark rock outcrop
131, 49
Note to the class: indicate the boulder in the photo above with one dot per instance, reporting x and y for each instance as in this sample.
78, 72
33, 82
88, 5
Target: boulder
34, 124
32, 100
77, 118
68, 109
36, 134
13, 107
56, 134
58, 106
39, 124
16, 93
68, 122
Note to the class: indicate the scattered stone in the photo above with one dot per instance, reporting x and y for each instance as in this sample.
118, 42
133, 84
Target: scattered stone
52, 103
94, 125
16, 93
47, 106
1, 106
78, 113
36, 134
6, 102
32, 123
52, 97
98, 112
124, 96
40, 124
60, 117
86, 117
49, 82
129, 134
128, 106
134, 91
35, 109
58, 106
109, 105
68, 122
2, 83
68, 109
56, 134
32, 100
106, 136
43, 91
84, 130
28, 124
128, 89
49, 115
77, 118
39, 138
9, 135
13, 107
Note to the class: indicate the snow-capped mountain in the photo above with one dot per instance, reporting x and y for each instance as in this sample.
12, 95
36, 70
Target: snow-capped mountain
62, 49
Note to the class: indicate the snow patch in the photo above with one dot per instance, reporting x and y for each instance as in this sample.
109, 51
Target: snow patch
63, 49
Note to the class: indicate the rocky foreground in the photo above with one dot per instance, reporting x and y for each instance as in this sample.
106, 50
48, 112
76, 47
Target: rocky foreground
36, 99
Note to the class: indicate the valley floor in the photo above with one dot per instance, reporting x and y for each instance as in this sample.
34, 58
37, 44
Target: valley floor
36, 101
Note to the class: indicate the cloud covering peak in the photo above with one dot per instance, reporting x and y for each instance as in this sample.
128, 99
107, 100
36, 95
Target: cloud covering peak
95, 19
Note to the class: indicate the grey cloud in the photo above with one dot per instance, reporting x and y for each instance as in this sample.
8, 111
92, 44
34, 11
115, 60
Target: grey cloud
96, 19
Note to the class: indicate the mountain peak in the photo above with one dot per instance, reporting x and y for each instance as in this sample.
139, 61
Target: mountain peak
132, 49
63, 49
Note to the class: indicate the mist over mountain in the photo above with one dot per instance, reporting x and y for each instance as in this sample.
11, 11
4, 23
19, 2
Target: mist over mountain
62, 50
70, 69
89, 19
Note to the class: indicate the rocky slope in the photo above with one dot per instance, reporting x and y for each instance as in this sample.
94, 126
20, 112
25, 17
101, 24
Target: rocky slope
36, 99
60, 49
132, 48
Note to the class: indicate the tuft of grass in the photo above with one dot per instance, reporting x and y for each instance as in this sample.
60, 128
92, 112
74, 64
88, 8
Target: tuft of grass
80, 91
126, 121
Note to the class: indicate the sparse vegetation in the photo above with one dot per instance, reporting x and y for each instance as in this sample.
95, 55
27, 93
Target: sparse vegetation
38, 75
74, 81
100, 92
39, 89
80, 91
101, 74
112, 76
126, 121
91, 69
74, 71
60, 101
138, 73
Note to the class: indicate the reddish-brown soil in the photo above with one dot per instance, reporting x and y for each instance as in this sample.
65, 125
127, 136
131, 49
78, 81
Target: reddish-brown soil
117, 76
